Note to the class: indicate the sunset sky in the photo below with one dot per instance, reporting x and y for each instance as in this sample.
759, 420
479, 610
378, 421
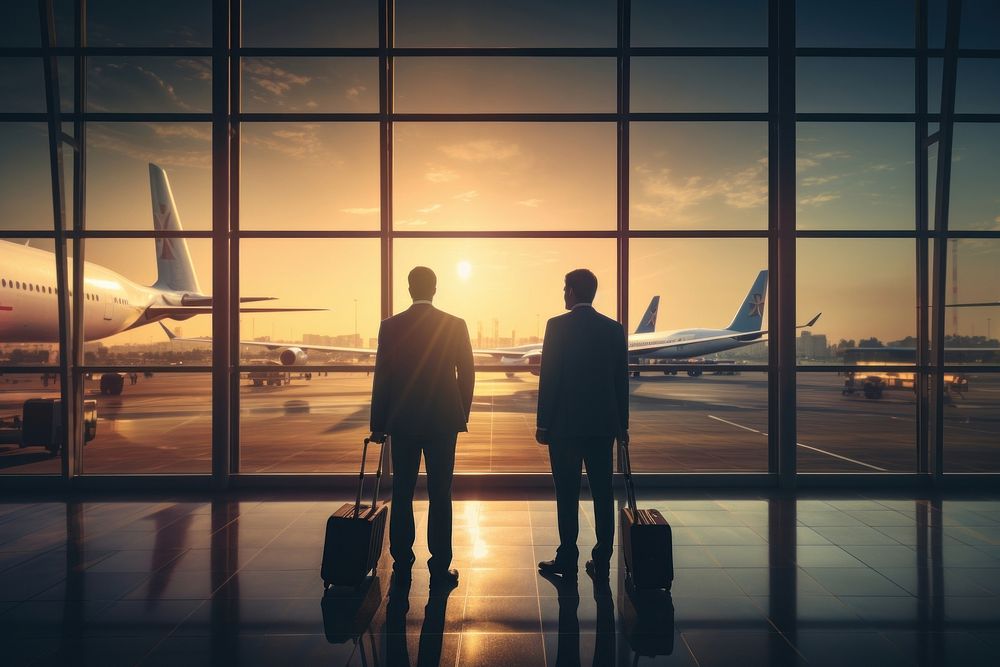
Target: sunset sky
455, 176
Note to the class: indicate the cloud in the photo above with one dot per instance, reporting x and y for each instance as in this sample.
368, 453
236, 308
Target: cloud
429, 209
273, 79
661, 193
354, 92
810, 181
133, 143
301, 140
124, 81
361, 211
201, 68
821, 198
413, 223
440, 174
466, 196
199, 132
530, 203
481, 150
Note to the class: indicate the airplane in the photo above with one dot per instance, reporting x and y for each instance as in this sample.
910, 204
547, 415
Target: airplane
112, 302
745, 329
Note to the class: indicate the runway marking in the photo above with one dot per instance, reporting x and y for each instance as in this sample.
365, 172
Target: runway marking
804, 446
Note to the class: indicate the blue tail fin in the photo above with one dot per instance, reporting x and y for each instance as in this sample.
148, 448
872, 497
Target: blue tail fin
175, 272
750, 316
648, 322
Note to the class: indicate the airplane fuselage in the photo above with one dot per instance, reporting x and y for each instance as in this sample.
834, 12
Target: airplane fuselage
28, 305
697, 348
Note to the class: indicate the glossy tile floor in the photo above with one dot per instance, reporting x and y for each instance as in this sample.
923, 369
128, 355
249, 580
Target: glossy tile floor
759, 581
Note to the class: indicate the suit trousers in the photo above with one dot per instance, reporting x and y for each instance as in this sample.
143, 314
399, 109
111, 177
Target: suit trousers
567, 455
439, 459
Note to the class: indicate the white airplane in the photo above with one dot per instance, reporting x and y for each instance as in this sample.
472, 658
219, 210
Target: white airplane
745, 329
112, 302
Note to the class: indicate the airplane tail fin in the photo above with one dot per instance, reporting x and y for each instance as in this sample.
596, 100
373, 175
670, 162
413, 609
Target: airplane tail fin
750, 315
648, 322
174, 270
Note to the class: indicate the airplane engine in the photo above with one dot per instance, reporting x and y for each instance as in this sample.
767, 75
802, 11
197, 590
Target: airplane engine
292, 356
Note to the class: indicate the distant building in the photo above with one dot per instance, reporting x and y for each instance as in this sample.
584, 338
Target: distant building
372, 343
811, 346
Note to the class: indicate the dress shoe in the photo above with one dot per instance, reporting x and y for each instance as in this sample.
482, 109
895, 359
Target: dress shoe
444, 580
598, 569
555, 567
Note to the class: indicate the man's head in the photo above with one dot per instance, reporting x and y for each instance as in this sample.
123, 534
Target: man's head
581, 287
423, 283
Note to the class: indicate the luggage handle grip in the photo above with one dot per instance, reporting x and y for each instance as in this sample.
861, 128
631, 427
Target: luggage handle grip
361, 476
625, 461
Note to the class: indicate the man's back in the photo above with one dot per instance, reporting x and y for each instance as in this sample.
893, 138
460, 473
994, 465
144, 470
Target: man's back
583, 384
423, 374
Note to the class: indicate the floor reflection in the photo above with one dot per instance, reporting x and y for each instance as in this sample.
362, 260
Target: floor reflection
773, 580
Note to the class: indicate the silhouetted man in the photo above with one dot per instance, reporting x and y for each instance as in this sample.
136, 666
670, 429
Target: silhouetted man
582, 408
421, 396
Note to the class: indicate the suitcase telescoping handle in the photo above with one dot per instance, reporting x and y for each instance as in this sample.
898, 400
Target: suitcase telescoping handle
361, 475
626, 465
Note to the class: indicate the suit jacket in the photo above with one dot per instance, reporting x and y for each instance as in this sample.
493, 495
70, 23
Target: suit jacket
583, 381
424, 374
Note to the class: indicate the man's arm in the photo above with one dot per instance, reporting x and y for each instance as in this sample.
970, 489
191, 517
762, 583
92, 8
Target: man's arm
621, 379
381, 383
465, 368
548, 381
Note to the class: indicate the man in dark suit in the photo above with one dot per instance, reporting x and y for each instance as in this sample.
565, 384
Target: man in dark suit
421, 396
582, 408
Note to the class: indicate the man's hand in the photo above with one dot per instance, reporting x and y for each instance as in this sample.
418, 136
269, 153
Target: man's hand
377, 436
542, 436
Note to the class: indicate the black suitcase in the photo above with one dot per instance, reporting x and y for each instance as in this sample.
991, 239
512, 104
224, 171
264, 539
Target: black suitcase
645, 538
355, 534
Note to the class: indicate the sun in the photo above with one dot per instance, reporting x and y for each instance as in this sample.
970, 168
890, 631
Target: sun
464, 270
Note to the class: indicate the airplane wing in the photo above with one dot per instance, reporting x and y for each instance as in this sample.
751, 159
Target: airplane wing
269, 345
984, 304
736, 335
184, 311
192, 300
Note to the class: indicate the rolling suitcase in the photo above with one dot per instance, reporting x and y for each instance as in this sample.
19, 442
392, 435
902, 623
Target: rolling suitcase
645, 538
354, 534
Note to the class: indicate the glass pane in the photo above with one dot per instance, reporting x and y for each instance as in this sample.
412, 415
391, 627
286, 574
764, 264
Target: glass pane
855, 176
724, 429
294, 419
129, 23
859, 422
866, 292
855, 23
310, 23
126, 283
980, 19
19, 25
25, 186
158, 423
26, 443
303, 85
972, 289
22, 85
972, 423
978, 86
682, 84
505, 290
506, 23
854, 85
504, 176
309, 176
698, 176
975, 172
149, 84
699, 23
505, 85
29, 318
125, 159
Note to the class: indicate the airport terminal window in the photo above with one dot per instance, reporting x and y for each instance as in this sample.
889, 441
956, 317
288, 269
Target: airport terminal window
699, 84
975, 170
972, 422
309, 176
505, 85
310, 23
22, 85
178, 23
27, 451
972, 332
694, 23
25, 189
855, 176
698, 175
155, 84
854, 85
310, 85
504, 176
855, 23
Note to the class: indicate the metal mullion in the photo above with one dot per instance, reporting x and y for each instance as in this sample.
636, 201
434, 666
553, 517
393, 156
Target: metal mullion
854, 52
24, 117
968, 368
857, 233
254, 117
698, 233
69, 462
235, 170
386, 36
142, 117
847, 117
543, 234
305, 234
26, 234
114, 368
695, 51
137, 234
305, 52
853, 368
700, 116
623, 81
920, 209
78, 332
556, 117
501, 52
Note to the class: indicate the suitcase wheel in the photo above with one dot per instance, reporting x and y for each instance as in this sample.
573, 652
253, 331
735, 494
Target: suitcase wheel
326, 585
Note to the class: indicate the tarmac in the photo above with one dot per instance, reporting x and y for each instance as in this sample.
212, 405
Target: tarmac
679, 424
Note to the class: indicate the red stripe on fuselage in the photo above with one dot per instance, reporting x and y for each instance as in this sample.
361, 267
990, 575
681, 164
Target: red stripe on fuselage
6, 307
